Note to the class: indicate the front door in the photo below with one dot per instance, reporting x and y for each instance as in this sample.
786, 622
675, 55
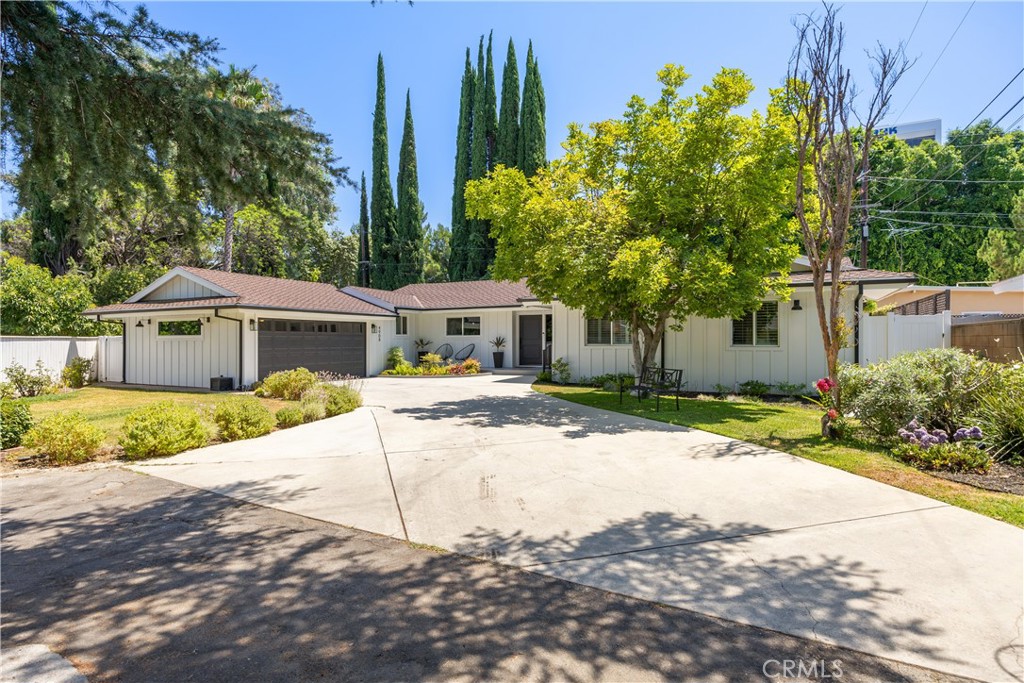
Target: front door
531, 339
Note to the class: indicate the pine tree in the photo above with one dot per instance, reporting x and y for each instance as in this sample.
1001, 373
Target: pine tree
364, 235
532, 148
409, 265
506, 149
463, 140
383, 217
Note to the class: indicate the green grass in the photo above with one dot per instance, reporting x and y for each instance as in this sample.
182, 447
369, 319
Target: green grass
106, 407
795, 428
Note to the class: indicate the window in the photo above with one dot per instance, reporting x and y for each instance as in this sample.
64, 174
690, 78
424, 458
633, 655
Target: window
758, 328
402, 324
468, 326
600, 331
179, 328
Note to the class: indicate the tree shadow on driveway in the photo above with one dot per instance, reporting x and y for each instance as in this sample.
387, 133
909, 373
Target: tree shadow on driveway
151, 581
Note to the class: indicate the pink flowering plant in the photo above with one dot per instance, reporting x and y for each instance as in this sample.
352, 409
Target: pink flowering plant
833, 423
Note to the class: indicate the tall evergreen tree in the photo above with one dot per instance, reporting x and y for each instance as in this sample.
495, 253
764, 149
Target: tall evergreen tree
506, 149
364, 236
490, 105
478, 244
532, 148
410, 244
383, 213
463, 141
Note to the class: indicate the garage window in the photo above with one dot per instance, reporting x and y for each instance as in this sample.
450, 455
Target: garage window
468, 326
179, 328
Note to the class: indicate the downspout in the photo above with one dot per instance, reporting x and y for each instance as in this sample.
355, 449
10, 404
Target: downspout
216, 314
856, 322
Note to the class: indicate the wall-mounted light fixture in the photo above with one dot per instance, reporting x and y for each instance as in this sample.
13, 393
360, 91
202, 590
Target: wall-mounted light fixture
796, 305
138, 324
373, 328
252, 324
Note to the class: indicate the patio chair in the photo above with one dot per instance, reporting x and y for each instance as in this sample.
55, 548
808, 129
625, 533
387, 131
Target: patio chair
445, 351
464, 353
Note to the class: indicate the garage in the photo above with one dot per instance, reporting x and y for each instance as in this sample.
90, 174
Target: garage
332, 346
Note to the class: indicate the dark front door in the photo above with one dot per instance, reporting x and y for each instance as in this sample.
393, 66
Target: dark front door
531, 339
338, 347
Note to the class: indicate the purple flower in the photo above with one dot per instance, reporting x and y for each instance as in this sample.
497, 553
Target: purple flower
960, 434
943, 437
975, 433
921, 433
913, 425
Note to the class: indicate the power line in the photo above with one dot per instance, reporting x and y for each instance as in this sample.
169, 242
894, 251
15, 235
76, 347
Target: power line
928, 225
1008, 83
940, 180
947, 213
914, 30
936, 62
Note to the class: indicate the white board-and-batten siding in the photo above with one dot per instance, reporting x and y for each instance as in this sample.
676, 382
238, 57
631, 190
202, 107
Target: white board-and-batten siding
703, 350
180, 288
180, 361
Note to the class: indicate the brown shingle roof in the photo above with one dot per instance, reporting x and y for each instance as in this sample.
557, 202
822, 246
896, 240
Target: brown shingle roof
473, 294
850, 273
256, 291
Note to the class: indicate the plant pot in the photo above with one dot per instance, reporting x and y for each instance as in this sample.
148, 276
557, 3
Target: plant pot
499, 359
420, 354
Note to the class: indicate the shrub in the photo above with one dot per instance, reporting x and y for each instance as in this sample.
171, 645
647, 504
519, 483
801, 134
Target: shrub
544, 376
313, 403
755, 388
66, 437
162, 429
7, 390
396, 357
962, 456
722, 389
289, 416
471, 366
15, 420
342, 399
791, 388
242, 417
287, 384
77, 373
431, 360
940, 387
560, 369
30, 382
1000, 414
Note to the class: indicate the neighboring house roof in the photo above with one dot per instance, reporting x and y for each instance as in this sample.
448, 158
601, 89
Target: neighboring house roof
256, 291
852, 274
1013, 285
452, 295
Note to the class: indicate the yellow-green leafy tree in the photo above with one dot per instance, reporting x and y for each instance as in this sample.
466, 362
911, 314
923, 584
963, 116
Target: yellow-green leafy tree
678, 208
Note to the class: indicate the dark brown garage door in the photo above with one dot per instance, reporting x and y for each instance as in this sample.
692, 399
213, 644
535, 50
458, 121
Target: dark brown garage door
316, 345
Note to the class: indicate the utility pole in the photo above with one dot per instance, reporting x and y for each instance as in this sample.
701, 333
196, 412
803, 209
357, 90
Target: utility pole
864, 221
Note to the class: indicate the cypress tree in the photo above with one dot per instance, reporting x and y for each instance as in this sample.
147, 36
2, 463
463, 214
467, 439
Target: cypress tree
457, 261
409, 266
506, 148
364, 236
476, 232
532, 148
490, 106
382, 200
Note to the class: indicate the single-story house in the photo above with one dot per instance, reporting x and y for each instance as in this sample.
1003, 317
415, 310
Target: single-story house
1005, 296
193, 324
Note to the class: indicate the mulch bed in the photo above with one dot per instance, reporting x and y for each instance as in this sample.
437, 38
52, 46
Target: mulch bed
1000, 477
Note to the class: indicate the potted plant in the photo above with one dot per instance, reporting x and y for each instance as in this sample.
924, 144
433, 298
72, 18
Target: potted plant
422, 348
499, 354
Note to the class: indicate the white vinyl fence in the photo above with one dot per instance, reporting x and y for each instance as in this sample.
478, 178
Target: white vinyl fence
886, 336
57, 352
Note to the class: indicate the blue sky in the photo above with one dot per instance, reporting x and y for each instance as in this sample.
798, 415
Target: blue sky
593, 57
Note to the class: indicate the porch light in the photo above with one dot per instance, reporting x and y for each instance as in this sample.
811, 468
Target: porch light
138, 324
252, 324
796, 305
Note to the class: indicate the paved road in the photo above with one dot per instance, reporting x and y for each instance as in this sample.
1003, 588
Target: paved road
137, 578
489, 468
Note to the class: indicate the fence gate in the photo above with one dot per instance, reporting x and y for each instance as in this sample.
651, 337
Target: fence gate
110, 359
886, 336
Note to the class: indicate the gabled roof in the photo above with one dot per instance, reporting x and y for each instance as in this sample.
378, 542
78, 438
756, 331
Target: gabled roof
254, 291
439, 296
852, 274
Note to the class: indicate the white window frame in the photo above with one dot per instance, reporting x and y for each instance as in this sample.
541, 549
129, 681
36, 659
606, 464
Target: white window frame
611, 332
402, 326
180, 337
755, 344
462, 326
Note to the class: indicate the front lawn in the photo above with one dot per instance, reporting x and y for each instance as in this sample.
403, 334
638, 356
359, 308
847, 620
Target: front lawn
795, 429
106, 407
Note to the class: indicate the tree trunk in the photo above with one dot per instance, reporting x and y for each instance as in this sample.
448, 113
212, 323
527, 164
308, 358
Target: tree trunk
646, 340
229, 237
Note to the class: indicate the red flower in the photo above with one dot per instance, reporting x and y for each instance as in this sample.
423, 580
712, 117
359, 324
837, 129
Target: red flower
833, 413
825, 385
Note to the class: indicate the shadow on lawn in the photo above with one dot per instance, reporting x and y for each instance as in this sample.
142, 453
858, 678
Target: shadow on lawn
141, 580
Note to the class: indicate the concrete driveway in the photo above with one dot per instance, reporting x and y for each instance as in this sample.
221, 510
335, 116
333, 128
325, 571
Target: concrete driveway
487, 467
